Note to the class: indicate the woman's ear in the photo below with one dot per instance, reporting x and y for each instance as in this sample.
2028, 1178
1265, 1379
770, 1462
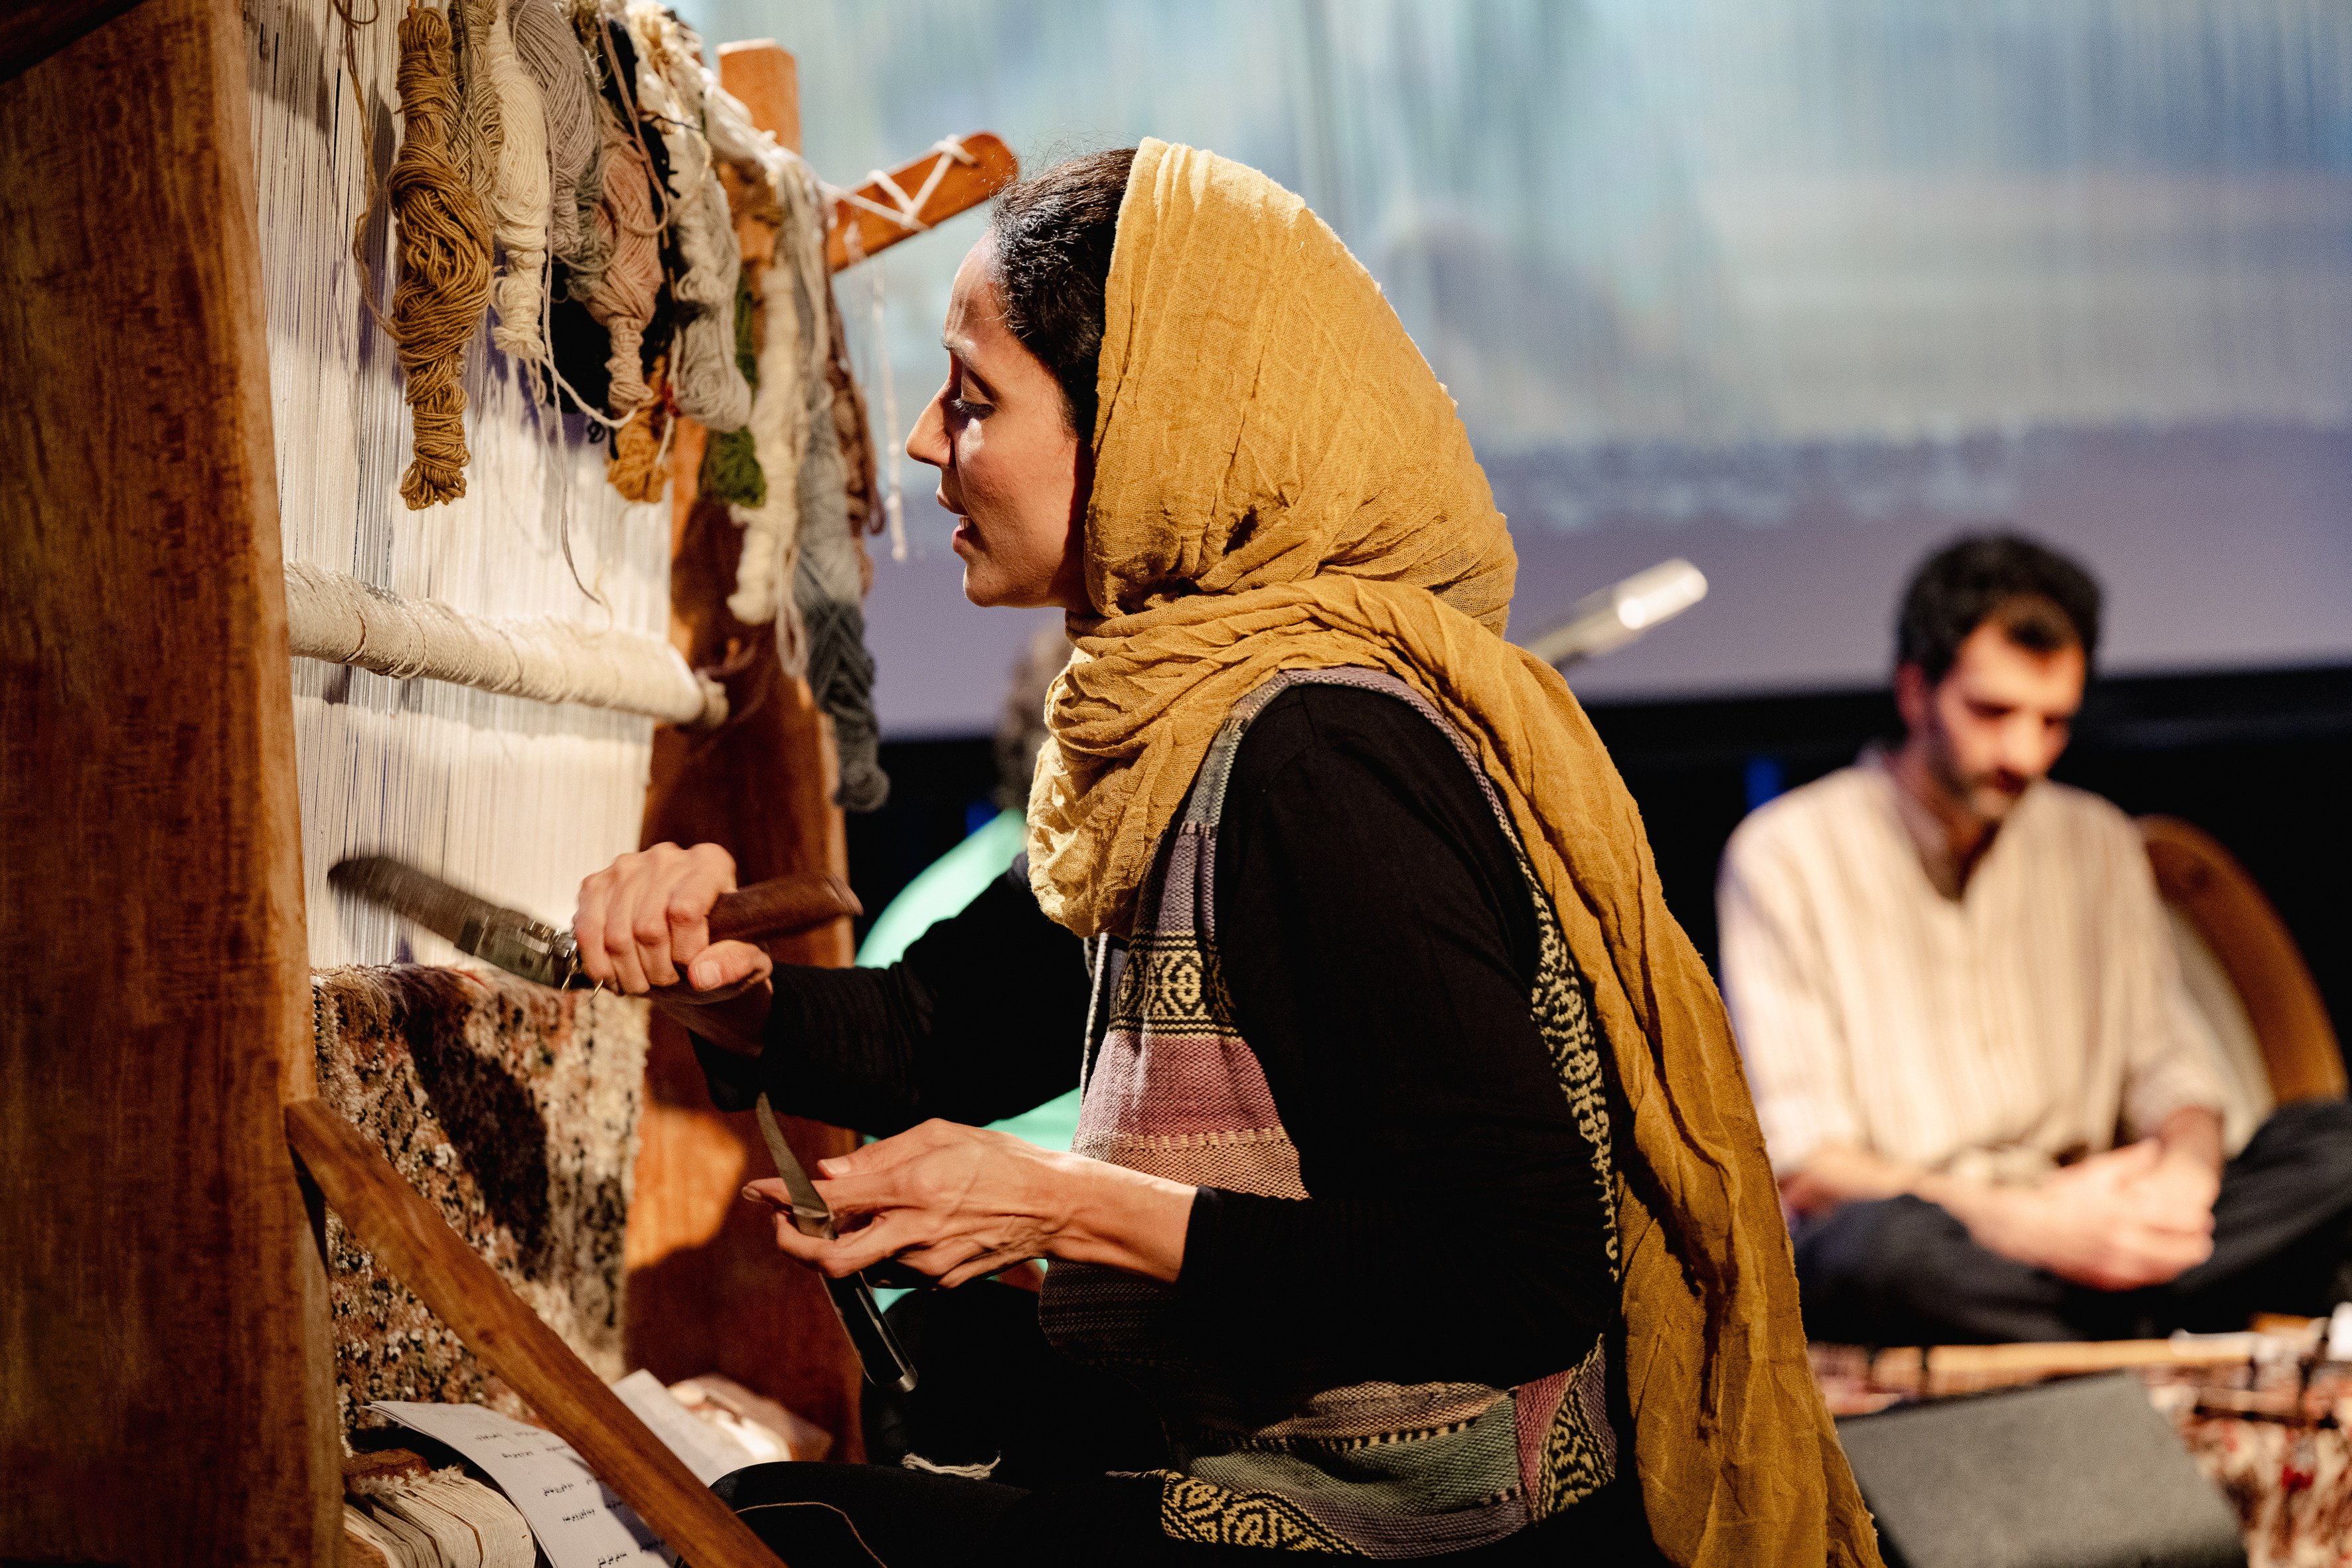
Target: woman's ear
1070, 577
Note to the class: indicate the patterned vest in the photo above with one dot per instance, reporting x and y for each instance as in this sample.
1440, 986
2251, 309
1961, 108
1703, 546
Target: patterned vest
1378, 1469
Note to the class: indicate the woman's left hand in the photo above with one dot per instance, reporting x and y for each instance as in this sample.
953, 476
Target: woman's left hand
957, 1202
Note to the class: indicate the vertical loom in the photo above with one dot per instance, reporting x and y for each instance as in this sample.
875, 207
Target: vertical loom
204, 419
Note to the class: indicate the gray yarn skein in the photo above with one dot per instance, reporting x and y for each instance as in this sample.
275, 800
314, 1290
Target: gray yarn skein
550, 52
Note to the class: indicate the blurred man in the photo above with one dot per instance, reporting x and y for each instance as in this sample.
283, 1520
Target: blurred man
1989, 1102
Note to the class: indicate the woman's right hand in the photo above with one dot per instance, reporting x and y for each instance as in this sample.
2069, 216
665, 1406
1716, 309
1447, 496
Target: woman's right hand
643, 928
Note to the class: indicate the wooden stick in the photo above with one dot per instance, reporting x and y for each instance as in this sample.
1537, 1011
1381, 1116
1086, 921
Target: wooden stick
415, 1244
962, 187
1959, 1369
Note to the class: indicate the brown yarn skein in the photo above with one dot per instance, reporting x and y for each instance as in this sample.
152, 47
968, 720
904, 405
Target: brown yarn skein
624, 299
639, 465
444, 261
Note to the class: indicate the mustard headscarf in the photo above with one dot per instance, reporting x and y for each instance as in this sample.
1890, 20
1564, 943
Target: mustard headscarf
1281, 483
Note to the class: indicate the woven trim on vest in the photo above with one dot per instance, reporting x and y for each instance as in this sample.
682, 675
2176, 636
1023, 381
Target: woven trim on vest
1377, 1468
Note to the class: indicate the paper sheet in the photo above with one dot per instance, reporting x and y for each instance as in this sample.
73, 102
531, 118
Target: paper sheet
700, 1446
579, 1523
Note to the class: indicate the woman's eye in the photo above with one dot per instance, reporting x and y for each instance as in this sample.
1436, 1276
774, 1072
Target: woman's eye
965, 408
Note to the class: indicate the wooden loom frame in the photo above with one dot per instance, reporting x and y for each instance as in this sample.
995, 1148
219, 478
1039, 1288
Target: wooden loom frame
166, 1362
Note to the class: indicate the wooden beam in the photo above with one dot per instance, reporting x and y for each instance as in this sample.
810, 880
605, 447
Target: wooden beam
766, 79
707, 1292
413, 1243
962, 187
166, 1379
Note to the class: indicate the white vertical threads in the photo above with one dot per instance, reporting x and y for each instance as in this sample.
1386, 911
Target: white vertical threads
521, 199
512, 797
893, 503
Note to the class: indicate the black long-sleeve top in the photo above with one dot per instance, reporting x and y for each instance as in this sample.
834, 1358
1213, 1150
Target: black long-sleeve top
1380, 947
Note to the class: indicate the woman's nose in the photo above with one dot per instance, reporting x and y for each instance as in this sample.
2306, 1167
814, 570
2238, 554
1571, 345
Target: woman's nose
928, 441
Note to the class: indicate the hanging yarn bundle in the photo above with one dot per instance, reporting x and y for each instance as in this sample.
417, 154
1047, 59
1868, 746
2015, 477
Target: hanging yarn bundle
706, 383
639, 467
829, 590
520, 199
444, 261
550, 51
730, 461
624, 296
479, 137
795, 288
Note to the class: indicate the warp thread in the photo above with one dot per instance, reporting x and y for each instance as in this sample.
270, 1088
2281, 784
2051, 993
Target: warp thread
639, 465
332, 617
444, 261
624, 296
522, 198
550, 52
480, 136
731, 462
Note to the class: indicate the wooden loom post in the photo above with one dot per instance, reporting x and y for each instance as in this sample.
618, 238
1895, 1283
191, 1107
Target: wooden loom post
409, 1238
706, 1289
166, 1377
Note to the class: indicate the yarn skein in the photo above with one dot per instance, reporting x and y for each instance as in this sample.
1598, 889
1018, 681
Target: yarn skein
730, 463
519, 202
624, 297
480, 130
551, 53
639, 465
444, 261
709, 385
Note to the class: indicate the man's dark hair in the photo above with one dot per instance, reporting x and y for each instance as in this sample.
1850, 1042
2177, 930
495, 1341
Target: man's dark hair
1054, 235
2042, 601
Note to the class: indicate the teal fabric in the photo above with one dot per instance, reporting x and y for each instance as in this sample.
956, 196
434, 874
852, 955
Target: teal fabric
942, 889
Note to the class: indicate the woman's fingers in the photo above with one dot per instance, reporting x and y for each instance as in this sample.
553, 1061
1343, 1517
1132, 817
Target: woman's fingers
646, 916
837, 1257
725, 968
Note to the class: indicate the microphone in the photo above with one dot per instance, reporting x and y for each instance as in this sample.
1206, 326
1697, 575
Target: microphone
1603, 622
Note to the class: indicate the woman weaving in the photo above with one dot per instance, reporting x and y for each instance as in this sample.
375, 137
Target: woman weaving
1416, 1182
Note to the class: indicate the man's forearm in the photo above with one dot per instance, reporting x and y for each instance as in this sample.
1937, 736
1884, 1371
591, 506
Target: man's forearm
1840, 1174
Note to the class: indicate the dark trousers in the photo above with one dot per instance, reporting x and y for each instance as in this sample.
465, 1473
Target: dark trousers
990, 1388
1903, 1271
872, 1516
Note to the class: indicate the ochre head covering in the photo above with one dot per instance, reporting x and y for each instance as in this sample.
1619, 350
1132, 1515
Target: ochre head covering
1280, 482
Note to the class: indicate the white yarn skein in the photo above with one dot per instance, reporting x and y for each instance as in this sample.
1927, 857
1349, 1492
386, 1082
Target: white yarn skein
792, 359
521, 200
706, 380
550, 52
342, 620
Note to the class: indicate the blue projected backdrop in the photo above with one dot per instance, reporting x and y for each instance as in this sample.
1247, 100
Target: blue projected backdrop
1792, 287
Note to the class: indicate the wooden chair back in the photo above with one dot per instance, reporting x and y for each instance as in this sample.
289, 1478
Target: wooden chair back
2205, 883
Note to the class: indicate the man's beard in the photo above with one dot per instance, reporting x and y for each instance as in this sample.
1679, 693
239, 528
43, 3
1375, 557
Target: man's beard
1989, 796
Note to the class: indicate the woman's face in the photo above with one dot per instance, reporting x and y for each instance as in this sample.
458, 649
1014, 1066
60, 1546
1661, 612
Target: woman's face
1010, 467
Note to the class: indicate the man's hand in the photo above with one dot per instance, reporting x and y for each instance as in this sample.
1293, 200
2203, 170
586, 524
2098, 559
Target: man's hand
2117, 1221
957, 1203
644, 926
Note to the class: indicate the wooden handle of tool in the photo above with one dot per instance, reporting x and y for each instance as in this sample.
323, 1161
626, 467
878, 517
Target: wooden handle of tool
416, 1245
782, 906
